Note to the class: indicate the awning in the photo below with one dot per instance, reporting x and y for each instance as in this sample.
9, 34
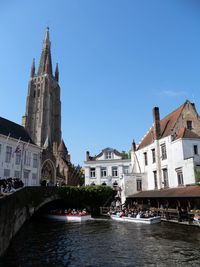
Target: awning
178, 192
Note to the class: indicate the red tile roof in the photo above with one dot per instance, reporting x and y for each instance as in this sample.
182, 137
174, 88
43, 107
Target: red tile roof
186, 133
166, 125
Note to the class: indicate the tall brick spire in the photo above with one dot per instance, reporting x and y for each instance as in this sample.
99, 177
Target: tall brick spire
45, 58
43, 109
33, 69
56, 73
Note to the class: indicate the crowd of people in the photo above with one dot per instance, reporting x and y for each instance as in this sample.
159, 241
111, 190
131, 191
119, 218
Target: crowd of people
70, 212
133, 213
10, 185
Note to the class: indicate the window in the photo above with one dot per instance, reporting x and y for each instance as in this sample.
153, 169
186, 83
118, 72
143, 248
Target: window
38, 93
115, 184
139, 185
103, 172
189, 125
125, 169
18, 158
35, 160
27, 158
153, 155
155, 179
26, 177
34, 179
17, 174
6, 173
34, 94
8, 153
145, 158
109, 155
195, 149
114, 171
163, 151
180, 176
165, 178
92, 173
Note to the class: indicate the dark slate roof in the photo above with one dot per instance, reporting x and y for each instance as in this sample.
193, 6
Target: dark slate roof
62, 147
178, 192
15, 130
116, 152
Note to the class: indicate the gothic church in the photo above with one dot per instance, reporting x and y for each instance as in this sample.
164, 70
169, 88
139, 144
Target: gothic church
42, 120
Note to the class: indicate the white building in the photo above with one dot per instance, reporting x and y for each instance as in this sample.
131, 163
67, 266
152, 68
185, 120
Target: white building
19, 156
169, 154
107, 168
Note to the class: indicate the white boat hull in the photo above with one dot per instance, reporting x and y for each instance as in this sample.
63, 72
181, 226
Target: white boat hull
69, 218
152, 220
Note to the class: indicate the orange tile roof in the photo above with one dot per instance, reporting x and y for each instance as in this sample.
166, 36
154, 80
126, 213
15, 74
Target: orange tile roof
166, 125
186, 133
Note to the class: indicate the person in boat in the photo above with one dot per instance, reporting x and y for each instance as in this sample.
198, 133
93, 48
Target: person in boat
138, 216
84, 211
197, 217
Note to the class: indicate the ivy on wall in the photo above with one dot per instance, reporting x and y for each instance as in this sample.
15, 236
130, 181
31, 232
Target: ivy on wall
91, 197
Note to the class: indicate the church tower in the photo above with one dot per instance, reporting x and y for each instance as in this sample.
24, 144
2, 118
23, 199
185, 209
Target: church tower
43, 121
43, 107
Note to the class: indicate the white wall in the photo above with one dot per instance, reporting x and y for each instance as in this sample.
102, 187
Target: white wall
102, 162
21, 167
180, 155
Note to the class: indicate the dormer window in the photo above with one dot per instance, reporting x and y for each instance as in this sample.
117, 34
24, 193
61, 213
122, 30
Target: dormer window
189, 125
108, 155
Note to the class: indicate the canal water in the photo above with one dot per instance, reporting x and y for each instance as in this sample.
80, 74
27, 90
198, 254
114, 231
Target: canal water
44, 243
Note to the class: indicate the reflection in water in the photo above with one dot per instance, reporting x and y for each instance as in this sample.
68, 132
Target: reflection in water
103, 243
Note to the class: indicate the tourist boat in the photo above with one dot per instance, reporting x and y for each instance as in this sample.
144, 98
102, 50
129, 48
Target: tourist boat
197, 219
151, 220
81, 217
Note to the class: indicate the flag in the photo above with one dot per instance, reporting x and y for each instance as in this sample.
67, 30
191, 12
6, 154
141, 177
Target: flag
18, 148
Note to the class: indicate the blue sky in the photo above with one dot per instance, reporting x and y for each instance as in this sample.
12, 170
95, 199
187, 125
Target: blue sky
117, 60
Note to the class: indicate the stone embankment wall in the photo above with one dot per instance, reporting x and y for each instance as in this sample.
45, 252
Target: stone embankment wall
18, 207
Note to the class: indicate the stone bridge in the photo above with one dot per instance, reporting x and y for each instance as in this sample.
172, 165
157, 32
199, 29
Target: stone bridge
18, 207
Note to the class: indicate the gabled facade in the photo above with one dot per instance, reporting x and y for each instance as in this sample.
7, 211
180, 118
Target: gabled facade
169, 154
106, 168
19, 156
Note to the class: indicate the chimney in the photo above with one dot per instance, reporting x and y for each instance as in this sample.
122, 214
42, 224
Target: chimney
156, 119
133, 145
87, 155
